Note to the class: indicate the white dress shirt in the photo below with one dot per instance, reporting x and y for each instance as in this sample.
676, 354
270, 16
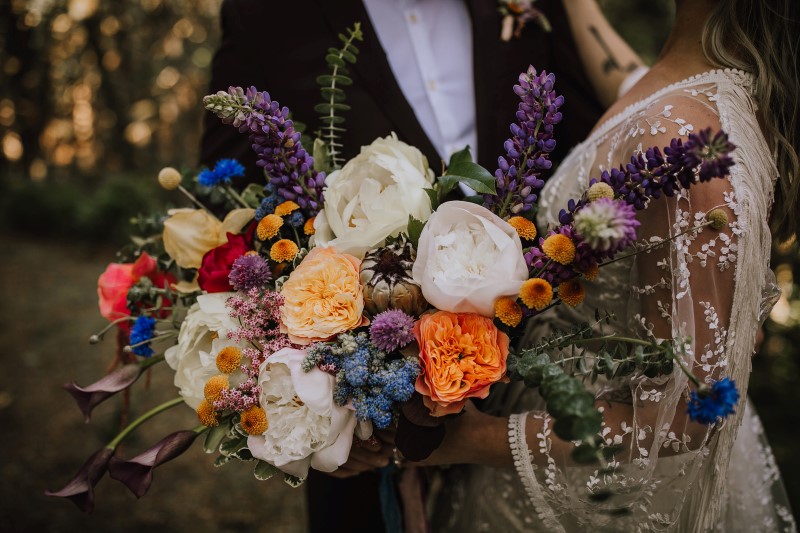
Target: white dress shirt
428, 45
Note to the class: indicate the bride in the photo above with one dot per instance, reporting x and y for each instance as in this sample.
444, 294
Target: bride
731, 65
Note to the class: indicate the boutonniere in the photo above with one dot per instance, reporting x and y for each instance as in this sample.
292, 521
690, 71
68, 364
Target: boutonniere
518, 13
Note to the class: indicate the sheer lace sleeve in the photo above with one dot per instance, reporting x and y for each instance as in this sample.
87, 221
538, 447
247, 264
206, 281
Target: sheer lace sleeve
698, 291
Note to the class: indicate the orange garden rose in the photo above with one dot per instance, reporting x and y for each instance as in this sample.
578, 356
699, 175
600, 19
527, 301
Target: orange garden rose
462, 355
323, 297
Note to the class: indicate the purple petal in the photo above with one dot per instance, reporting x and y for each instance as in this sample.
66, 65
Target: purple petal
90, 396
137, 473
80, 489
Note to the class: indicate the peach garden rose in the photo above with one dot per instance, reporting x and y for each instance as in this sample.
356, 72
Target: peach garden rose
323, 297
461, 355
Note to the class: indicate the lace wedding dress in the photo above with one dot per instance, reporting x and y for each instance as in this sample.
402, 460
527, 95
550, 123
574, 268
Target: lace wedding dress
708, 291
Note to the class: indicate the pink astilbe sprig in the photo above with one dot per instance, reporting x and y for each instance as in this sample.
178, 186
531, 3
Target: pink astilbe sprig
259, 314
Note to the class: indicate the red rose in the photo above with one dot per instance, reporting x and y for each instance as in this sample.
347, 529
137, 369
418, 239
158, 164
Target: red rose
218, 262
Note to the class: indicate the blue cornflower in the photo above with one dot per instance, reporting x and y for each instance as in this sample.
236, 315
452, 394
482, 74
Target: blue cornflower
224, 170
707, 404
142, 331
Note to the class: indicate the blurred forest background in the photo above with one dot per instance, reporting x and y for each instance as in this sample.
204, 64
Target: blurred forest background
96, 98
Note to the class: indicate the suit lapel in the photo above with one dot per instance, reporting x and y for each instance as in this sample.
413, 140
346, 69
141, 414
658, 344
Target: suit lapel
373, 73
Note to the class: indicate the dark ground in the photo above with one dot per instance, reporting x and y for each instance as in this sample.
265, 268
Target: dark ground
48, 307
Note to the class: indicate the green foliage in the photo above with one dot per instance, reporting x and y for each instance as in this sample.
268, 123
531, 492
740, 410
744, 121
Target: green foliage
333, 96
461, 169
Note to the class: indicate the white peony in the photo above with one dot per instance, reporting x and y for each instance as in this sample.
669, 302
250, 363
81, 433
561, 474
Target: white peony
371, 197
306, 427
467, 258
203, 334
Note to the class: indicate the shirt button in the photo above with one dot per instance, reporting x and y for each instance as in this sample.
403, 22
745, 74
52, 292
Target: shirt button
432, 85
412, 18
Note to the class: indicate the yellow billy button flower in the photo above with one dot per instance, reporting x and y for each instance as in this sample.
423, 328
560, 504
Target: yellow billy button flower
308, 227
254, 420
536, 293
207, 415
525, 228
286, 208
283, 250
214, 387
559, 248
508, 311
571, 292
718, 218
229, 359
591, 273
600, 190
268, 227
169, 178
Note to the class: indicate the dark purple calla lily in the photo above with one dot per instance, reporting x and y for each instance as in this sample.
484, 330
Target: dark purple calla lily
81, 488
137, 473
90, 396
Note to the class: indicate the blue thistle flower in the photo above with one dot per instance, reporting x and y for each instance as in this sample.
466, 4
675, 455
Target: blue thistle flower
296, 219
142, 331
267, 206
707, 404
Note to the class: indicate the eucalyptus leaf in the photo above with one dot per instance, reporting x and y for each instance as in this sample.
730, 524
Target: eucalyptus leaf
322, 162
328, 80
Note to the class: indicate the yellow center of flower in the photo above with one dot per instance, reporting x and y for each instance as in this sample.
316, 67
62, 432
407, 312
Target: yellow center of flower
254, 420
286, 208
536, 293
507, 311
207, 415
229, 359
559, 248
268, 227
283, 250
214, 387
599, 190
308, 227
525, 228
571, 292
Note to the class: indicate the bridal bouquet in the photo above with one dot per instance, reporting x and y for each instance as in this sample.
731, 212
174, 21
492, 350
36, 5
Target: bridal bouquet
344, 296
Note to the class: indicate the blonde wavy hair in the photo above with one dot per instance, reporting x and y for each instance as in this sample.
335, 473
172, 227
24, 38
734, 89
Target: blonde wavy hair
763, 37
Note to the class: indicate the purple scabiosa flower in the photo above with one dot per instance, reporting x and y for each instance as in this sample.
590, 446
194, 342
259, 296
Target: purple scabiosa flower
528, 150
606, 225
250, 271
276, 143
141, 333
391, 330
708, 404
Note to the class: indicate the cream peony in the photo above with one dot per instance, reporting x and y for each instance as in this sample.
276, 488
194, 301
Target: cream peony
190, 233
306, 427
203, 334
467, 258
371, 197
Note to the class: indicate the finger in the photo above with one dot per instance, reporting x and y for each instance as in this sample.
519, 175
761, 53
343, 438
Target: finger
371, 444
386, 435
343, 473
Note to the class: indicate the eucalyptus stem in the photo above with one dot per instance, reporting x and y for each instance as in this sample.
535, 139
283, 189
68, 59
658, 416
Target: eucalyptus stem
142, 419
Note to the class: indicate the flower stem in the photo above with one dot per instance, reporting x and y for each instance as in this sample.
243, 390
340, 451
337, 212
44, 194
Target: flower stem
142, 419
194, 200
657, 244
236, 196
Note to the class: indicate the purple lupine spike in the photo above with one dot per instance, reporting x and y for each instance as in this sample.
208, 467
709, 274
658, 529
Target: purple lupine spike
275, 141
528, 150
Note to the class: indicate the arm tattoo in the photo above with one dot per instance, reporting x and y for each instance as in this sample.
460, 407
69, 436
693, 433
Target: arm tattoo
610, 62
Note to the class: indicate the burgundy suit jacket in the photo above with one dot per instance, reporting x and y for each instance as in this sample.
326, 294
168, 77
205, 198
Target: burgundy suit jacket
280, 47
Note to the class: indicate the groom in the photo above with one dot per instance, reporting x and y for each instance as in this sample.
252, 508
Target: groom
436, 72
